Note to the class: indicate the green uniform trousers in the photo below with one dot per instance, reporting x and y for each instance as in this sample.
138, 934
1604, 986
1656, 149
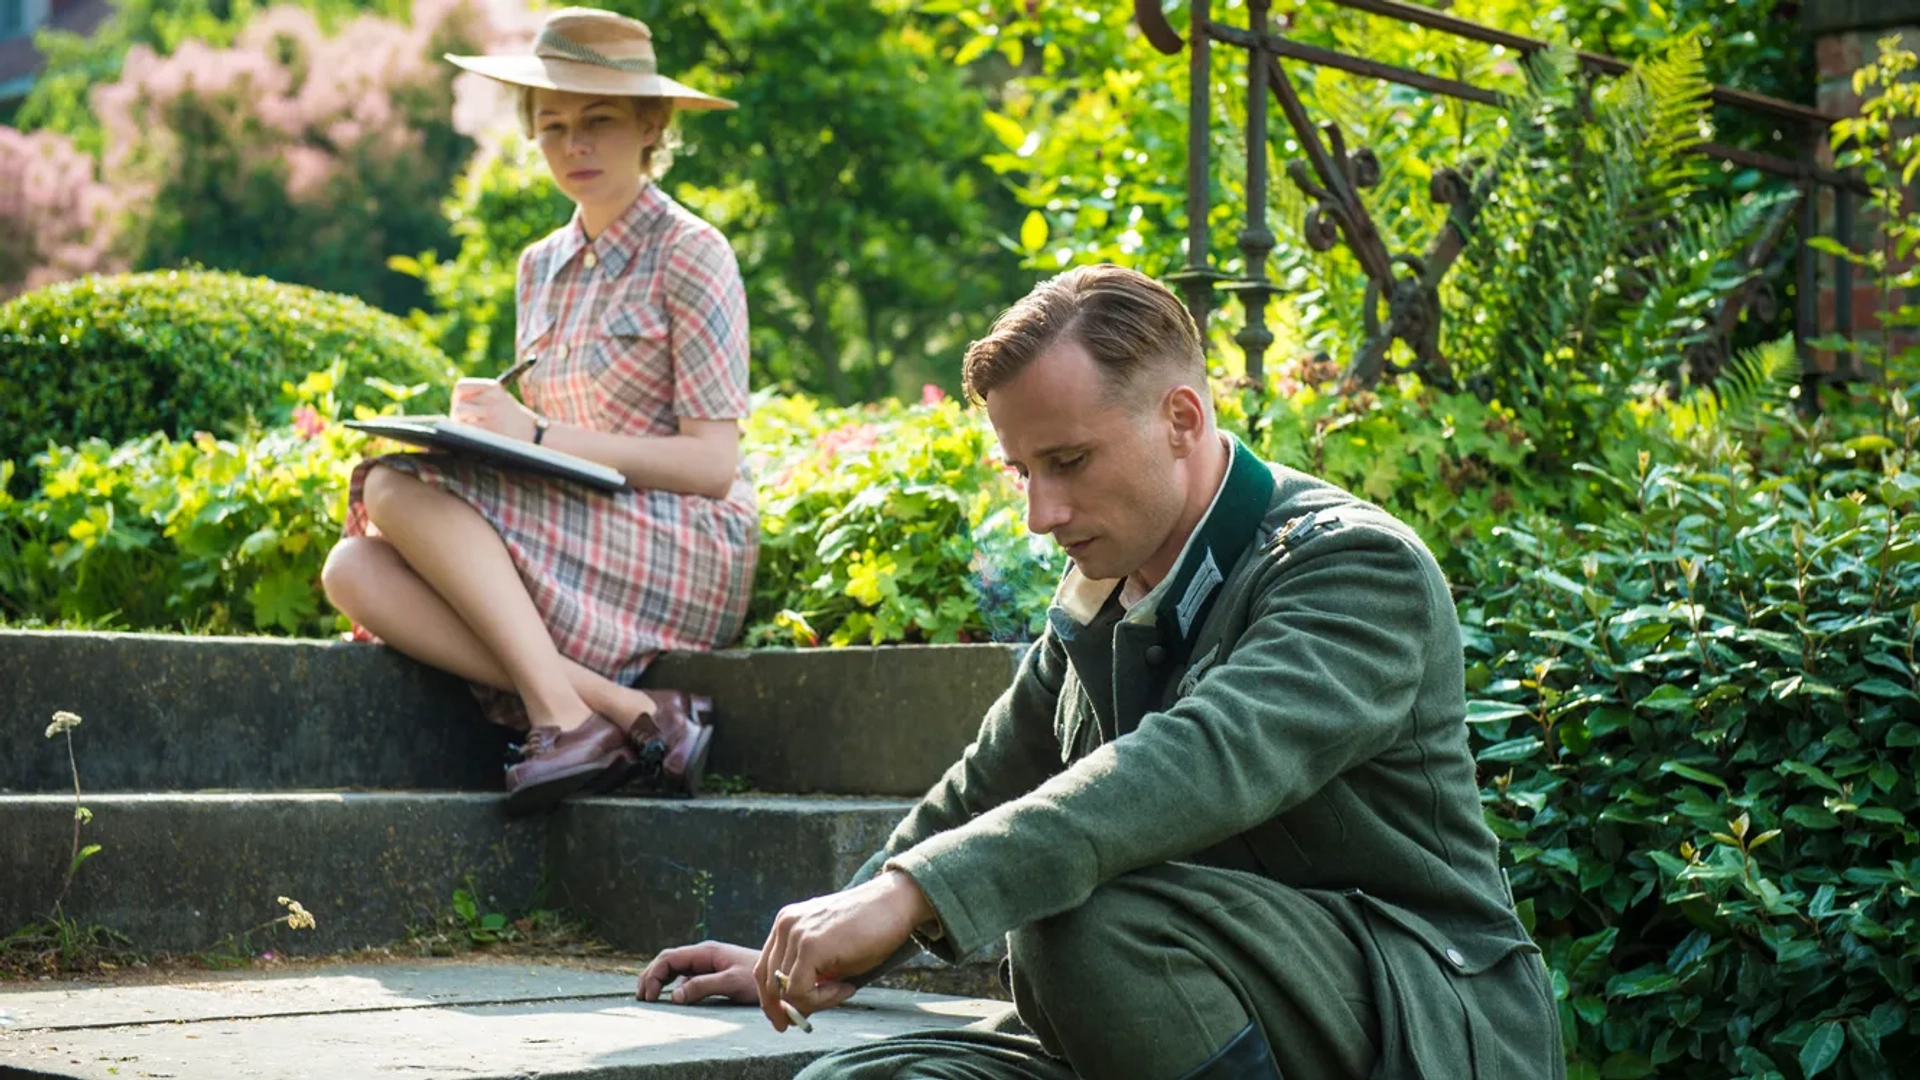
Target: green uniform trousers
1151, 976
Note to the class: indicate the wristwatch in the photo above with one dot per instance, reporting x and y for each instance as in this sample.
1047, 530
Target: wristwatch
539, 428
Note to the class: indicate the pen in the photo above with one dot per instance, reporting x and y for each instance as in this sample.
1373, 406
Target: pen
508, 376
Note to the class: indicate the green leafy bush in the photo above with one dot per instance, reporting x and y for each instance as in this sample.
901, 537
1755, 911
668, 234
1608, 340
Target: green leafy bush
119, 357
1697, 723
882, 523
206, 535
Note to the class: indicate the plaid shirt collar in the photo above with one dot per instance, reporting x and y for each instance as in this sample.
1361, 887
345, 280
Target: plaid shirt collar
615, 246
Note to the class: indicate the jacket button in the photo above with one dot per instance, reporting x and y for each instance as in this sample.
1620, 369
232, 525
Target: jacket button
1156, 655
1458, 960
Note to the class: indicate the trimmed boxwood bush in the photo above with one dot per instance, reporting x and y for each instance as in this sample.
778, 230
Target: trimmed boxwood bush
115, 358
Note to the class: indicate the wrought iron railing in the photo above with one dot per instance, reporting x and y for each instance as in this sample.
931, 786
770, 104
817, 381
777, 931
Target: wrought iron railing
1408, 285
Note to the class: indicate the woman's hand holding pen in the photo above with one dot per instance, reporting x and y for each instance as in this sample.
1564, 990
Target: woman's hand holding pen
487, 403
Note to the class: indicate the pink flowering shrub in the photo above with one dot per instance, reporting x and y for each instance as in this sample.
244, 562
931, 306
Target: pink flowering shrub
295, 154
56, 219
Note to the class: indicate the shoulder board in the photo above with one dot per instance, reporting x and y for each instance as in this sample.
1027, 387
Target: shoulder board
1296, 530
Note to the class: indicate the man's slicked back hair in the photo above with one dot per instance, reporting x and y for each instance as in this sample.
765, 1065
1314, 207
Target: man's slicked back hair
1131, 325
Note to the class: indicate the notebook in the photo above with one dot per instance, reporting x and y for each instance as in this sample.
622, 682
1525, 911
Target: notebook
472, 441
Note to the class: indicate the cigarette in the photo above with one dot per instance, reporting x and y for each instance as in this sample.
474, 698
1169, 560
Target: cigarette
799, 1019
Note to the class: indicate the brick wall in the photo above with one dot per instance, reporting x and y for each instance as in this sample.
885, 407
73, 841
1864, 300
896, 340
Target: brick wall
1847, 35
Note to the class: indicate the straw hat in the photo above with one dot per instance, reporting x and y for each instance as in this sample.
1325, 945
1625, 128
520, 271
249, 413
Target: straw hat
591, 52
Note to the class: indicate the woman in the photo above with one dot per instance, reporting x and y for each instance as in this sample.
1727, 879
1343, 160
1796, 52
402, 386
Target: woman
550, 596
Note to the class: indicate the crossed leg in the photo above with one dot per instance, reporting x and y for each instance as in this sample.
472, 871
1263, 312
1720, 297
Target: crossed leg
439, 586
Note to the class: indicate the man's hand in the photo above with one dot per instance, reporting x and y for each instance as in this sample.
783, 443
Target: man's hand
485, 403
817, 942
709, 969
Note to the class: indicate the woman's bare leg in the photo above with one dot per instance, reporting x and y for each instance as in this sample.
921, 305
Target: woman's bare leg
368, 580
457, 554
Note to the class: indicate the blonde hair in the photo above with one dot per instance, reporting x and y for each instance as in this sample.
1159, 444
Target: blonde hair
1129, 324
655, 159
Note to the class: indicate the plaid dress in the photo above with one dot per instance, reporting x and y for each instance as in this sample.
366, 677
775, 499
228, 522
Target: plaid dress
635, 329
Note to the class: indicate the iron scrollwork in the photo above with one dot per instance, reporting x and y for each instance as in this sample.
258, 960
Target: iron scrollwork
1408, 285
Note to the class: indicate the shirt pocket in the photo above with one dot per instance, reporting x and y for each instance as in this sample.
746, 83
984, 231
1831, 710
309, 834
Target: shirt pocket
629, 331
626, 364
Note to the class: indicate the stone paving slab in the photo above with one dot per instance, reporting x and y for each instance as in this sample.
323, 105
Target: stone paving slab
472, 1021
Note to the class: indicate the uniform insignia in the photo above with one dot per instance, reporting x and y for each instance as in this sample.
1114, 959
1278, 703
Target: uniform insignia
1296, 530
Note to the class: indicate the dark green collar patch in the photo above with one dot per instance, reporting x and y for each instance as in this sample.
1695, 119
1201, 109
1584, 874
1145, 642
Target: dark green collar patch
1230, 528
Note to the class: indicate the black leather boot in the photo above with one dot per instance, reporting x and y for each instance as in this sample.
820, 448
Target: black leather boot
1245, 1057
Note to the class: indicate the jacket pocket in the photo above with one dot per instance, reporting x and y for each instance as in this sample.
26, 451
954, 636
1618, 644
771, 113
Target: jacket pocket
1460, 1006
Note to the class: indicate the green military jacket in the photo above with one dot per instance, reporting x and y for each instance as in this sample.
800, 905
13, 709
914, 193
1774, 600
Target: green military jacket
1290, 702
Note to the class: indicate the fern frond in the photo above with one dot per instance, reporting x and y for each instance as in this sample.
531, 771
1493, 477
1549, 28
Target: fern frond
1752, 384
1659, 116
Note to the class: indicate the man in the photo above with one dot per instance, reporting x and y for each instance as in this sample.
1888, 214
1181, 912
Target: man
1226, 814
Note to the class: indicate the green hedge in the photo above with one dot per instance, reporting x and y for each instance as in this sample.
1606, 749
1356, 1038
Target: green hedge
1697, 724
116, 358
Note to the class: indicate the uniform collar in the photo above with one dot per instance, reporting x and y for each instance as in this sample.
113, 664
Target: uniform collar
615, 245
1181, 602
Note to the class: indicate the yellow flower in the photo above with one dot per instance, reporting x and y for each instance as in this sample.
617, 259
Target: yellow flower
62, 721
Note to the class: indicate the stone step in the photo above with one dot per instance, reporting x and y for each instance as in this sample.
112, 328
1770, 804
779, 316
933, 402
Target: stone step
173, 713
178, 873
470, 1020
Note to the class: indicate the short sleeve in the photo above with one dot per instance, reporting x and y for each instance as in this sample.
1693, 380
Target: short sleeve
707, 324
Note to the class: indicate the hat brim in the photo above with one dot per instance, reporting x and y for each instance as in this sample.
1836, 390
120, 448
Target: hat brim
552, 73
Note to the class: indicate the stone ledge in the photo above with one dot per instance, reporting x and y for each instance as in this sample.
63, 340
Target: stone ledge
174, 713
177, 873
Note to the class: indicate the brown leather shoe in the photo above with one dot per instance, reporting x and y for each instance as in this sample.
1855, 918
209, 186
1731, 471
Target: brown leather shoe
683, 762
556, 763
